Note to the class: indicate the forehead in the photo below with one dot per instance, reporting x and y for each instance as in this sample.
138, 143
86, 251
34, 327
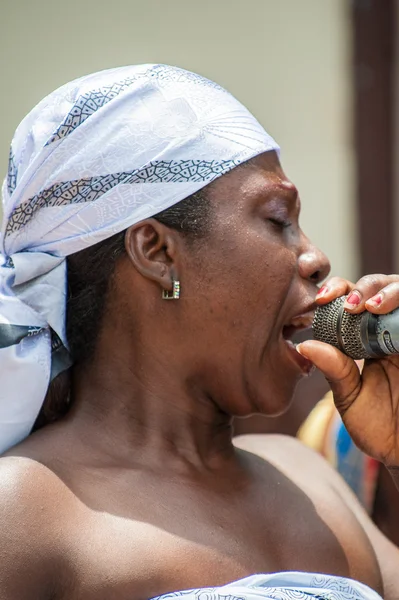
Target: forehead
258, 177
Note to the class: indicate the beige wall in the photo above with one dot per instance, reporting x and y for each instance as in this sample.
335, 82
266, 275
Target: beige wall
287, 60
396, 142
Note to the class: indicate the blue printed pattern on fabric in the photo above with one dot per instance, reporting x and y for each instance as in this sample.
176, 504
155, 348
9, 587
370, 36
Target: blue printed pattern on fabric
8, 264
12, 173
90, 189
89, 103
281, 586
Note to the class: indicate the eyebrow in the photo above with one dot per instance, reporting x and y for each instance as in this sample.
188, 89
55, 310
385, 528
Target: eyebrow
291, 200
279, 193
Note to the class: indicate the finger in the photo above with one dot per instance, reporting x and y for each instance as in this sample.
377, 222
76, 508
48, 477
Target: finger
385, 300
367, 287
333, 288
340, 371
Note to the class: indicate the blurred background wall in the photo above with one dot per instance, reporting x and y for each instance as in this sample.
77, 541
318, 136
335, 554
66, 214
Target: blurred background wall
289, 61
396, 136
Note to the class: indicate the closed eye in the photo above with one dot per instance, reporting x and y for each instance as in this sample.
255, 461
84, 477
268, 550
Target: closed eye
281, 224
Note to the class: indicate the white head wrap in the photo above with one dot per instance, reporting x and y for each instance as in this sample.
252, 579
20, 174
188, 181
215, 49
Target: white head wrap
96, 156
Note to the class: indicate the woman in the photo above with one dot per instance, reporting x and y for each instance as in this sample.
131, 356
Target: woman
187, 274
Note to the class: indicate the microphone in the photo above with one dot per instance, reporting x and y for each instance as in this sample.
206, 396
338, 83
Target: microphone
359, 336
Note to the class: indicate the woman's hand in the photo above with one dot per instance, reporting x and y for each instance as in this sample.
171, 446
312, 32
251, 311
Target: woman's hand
369, 401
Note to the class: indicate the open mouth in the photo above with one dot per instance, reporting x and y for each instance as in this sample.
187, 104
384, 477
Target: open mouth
292, 333
297, 325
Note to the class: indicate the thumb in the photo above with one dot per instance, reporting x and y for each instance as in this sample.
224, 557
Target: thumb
340, 371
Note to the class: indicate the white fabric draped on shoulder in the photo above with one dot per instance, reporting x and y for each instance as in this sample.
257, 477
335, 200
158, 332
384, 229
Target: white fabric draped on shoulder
282, 586
96, 156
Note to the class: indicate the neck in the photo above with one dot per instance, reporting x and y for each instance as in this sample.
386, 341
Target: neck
153, 414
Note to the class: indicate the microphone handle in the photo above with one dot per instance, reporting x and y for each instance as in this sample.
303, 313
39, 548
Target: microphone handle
380, 333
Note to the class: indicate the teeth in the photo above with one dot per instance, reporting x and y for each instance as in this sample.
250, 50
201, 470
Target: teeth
291, 343
303, 322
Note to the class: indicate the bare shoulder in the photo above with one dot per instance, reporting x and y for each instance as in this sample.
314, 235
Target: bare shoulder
313, 474
307, 470
305, 467
275, 444
28, 488
289, 455
31, 504
24, 473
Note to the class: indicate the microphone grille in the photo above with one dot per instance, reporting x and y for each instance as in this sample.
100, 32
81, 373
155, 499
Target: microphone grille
335, 326
325, 322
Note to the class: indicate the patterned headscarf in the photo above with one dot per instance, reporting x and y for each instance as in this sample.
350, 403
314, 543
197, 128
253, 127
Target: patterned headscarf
96, 156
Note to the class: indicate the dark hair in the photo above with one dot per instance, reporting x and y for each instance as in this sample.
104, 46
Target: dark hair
89, 276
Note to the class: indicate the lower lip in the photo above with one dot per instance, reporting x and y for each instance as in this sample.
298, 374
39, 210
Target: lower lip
305, 365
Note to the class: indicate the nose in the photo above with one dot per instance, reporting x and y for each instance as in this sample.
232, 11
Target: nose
314, 265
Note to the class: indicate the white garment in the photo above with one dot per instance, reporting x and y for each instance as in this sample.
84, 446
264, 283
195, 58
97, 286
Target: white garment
281, 586
96, 156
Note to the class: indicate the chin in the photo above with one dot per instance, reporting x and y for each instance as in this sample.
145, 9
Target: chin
273, 400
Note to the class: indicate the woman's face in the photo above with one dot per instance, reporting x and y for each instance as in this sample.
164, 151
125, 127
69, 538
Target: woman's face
246, 288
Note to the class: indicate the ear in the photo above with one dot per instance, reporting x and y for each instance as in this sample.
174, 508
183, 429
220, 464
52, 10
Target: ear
151, 247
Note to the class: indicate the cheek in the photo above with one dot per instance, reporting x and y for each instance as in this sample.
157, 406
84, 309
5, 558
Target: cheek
232, 312
242, 288
257, 274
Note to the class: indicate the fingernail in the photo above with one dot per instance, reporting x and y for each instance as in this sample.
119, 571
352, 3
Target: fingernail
311, 367
376, 300
353, 300
322, 291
